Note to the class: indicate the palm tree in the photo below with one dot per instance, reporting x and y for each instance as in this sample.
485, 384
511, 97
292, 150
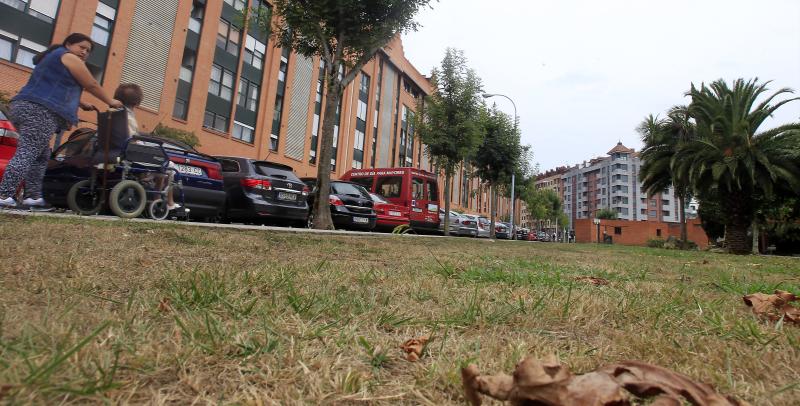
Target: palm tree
662, 140
731, 160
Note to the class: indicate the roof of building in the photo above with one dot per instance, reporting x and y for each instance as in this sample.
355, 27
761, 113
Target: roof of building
619, 148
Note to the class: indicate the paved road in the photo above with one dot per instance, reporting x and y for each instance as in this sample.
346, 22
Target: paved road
69, 215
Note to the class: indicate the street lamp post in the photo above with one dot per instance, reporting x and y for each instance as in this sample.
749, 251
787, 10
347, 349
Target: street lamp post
513, 173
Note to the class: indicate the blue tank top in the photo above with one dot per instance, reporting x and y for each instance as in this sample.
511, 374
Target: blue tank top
52, 86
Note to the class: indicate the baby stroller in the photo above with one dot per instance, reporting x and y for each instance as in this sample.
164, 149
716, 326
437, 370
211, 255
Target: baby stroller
129, 174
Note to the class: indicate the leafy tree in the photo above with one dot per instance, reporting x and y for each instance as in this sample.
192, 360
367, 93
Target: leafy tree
4, 99
498, 156
662, 140
544, 204
731, 160
345, 34
448, 121
187, 137
606, 214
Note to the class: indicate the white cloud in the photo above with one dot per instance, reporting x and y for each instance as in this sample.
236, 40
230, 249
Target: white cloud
584, 73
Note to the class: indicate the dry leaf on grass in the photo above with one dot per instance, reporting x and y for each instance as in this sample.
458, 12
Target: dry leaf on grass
413, 347
593, 280
774, 306
165, 305
549, 382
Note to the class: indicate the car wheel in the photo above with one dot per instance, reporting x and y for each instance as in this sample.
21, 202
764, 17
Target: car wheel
310, 219
127, 199
84, 200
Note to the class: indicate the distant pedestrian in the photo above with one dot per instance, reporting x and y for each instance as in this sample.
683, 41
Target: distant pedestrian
47, 104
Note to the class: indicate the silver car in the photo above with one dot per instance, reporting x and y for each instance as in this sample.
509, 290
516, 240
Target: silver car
483, 227
455, 222
468, 225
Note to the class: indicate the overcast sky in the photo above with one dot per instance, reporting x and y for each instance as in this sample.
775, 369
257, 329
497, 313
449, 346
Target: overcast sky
584, 73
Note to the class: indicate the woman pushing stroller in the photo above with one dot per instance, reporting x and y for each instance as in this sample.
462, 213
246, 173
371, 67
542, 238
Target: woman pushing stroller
47, 104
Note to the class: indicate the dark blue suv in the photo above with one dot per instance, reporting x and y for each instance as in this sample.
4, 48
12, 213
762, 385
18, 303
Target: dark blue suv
200, 174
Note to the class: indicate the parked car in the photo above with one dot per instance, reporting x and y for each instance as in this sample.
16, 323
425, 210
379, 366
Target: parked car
8, 141
351, 205
502, 231
455, 222
263, 191
200, 174
468, 225
542, 236
390, 215
522, 233
483, 227
532, 236
412, 188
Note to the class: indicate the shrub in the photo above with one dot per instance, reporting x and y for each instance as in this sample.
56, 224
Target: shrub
655, 243
4, 99
186, 137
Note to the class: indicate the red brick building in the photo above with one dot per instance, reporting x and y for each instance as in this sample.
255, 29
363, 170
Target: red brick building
637, 232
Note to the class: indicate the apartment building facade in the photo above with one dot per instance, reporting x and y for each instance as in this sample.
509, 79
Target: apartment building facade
201, 71
612, 182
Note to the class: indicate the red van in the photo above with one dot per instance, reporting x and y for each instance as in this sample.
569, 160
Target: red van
416, 189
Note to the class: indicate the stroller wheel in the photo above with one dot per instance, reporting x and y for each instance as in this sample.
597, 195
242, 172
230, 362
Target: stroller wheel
157, 209
83, 199
127, 199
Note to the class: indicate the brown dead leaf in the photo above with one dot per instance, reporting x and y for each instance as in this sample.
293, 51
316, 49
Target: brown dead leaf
774, 306
593, 280
413, 347
165, 305
549, 382
647, 380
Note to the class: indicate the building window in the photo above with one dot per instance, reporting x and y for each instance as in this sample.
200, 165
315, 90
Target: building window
248, 95
44, 10
376, 115
243, 132
215, 121
180, 109
658, 232
618, 230
18, 50
315, 126
237, 4
196, 17
254, 51
221, 83
229, 37
103, 23
276, 115
406, 137
361, 122
187, 65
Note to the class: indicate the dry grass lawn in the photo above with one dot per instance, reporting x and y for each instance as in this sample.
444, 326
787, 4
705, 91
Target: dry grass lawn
120, 312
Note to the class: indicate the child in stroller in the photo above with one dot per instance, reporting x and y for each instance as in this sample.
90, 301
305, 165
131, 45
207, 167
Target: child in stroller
130, 172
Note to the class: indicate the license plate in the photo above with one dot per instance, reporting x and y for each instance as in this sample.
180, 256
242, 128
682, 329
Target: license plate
394, 213
189, 170
360, 220
287, 196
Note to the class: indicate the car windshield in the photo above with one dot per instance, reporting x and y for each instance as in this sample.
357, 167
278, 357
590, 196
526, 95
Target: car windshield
349, 189
267, 169
377, 198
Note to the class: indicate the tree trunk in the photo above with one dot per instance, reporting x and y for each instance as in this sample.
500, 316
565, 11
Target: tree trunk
755, 238
739, 219
448, 179
492, 209
322, 208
